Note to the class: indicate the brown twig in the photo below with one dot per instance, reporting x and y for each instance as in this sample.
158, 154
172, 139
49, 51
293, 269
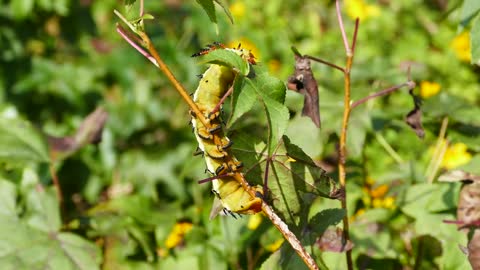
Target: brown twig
281, 226
381, 93
324, 62
222, 100
180, 89
58, 189
343, 134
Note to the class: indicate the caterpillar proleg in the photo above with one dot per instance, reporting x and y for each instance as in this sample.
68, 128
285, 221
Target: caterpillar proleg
214, 83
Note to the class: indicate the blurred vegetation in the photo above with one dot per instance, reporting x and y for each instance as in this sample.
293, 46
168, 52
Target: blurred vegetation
132, 201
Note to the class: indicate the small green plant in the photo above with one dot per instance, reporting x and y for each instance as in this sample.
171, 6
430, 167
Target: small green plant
96, 149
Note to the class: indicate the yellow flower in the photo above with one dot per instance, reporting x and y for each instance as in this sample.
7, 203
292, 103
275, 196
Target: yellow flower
375, 197
178, 232
275, 245
359, 9
389, 202
377, 203
162, 253
237, 9
456, 155
274, 66
246, 44
461, 45
428, 89
357, 214
379, 192
254, 221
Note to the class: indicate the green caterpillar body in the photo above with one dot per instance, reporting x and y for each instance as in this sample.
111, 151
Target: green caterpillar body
213, 85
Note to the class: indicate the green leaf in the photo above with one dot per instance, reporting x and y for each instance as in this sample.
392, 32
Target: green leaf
225, 9
20, 142
429, 248
21, 8
475, 40
227, 58
129, 2
35, 239
272, 92
209, 8
321, 221
428, 198
293, 178
277, 115
469, 9
8, 194
42, 211
358, 126
243, 99
22, 247
453, 106
268, 85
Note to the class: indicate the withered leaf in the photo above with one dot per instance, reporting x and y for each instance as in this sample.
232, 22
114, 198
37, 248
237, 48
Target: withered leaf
304, 82
332, 240
468, 211
89, 132
474, 250
414, 117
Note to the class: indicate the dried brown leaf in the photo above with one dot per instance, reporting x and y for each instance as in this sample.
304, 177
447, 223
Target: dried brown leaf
89, 132
414, 117
332, 240
304, 82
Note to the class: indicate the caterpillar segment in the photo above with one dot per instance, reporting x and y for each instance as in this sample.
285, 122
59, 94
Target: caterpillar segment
231, 197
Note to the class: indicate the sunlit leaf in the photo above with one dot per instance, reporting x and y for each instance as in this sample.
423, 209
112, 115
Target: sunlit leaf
293, 178
225, 9
89, 132
20, 142
475, 40
209, 7
35, 239
227, 58
469, 9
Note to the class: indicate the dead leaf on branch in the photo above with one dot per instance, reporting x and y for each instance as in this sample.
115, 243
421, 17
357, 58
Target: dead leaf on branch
468, 211
414, 117
304, 82
89, 132
332, 240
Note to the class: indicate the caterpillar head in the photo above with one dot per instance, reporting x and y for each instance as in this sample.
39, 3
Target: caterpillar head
242, 52
246, 54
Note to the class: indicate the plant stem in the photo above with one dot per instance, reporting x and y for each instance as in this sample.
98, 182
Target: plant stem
439, 152
343, 134
281, 226
343, 155
180, 89
58, 189
388, 148
325, 62
382, 93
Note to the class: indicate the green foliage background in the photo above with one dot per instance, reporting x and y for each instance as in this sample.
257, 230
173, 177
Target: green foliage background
123, 197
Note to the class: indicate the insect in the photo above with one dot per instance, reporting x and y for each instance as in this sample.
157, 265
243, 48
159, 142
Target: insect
230, 197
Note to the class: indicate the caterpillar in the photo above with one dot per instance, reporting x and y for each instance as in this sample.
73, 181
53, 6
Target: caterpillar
213, 142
